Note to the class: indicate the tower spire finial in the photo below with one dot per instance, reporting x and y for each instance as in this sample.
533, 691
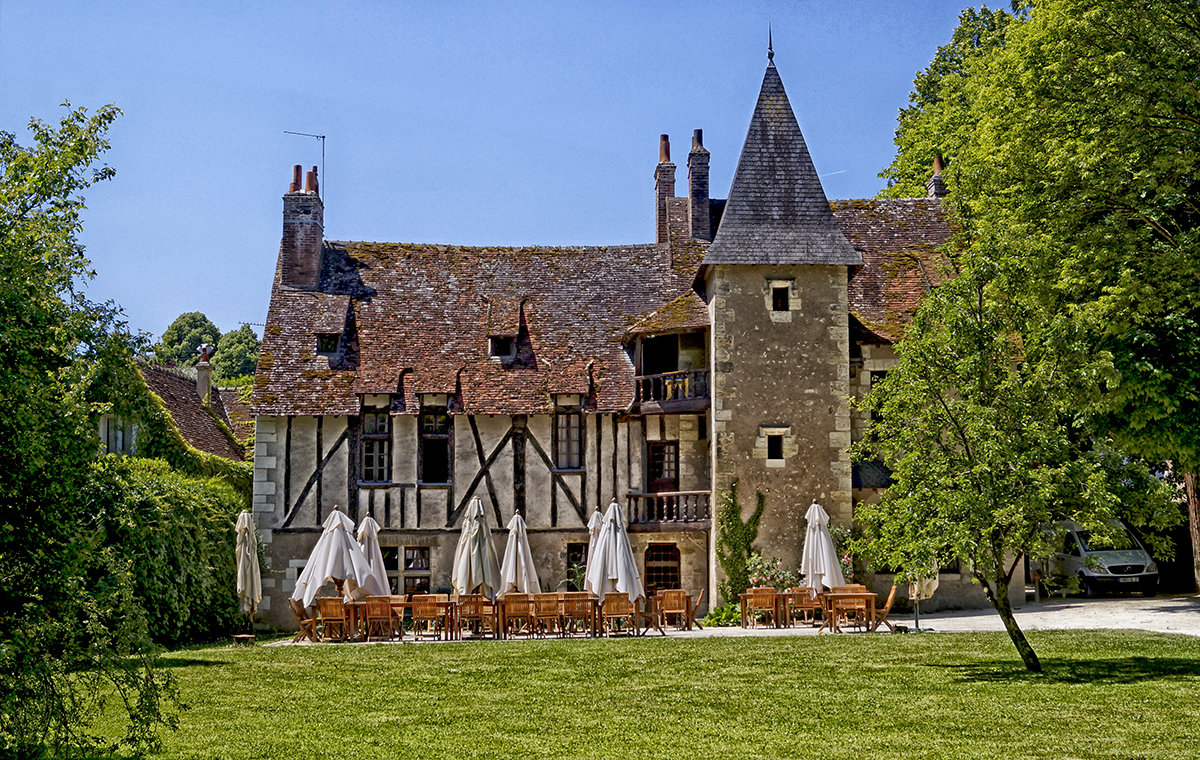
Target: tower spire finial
770, 46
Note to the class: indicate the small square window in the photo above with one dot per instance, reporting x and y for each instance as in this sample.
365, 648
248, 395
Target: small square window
502, 346
774, 447
327, 343
416, 558
779, 298
416, 584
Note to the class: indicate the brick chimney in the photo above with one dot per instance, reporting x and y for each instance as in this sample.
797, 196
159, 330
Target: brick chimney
204, 372
936, 186
699, 227
664, 189
303, 232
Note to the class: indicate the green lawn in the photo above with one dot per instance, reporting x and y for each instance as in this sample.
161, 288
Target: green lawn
1103, 695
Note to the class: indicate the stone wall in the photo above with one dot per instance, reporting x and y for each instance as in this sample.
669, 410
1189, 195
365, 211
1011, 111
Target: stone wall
785, 373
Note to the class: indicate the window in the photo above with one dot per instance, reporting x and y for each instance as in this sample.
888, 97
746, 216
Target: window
375, 447
779, 298
435, 445
774, 447
391, 563
502, 346
576, 558
118, 434
662, 567
416, 585
328, 343
568, 439
416, 559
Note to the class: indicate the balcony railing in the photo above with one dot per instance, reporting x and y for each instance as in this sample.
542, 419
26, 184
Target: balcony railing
684, 388
668, 508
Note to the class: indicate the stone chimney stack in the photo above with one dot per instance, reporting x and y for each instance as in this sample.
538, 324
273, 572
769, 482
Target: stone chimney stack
664, 189
936, 186
699, 226
303, 232
204, 372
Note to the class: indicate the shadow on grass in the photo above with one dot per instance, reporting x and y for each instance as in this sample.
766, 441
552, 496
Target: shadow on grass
1115, 671
185, 662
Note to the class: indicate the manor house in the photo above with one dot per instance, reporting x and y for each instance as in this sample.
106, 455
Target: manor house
400, 380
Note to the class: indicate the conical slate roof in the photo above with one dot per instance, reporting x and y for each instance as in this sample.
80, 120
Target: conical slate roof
777, 212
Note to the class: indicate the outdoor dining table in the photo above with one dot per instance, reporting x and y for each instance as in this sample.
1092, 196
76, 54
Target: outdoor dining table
448, 611
835, 604
593, 615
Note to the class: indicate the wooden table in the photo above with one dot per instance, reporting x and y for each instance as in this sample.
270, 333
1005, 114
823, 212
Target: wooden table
593, 615
835, 604
448, 609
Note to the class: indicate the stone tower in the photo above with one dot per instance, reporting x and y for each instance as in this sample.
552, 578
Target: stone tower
776, 284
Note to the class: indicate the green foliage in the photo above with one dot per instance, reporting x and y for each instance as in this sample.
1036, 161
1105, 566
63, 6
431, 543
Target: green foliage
735, 541
237, 354
176, 535
725, 616
769, 571
181, 341
71, 631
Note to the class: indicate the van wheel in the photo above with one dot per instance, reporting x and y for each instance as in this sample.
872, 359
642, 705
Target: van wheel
1150, 589
1089, 589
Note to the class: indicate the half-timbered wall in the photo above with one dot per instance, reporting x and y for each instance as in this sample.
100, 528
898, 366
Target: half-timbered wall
307, 466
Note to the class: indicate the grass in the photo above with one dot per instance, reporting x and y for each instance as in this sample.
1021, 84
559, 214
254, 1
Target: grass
1104, 695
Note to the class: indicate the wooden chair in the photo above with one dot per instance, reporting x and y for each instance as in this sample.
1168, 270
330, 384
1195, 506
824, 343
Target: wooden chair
618, 609
427, 617
763, 601
695, 609
377, 617
545, 614
852, 612
674, 603
881, 615
333, 618
802, 603
518, 614
577, 613
398, 603
306, 621
477, 614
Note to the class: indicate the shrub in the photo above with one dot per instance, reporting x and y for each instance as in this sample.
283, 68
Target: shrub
769, 571
735, 541
175, 532
724, 616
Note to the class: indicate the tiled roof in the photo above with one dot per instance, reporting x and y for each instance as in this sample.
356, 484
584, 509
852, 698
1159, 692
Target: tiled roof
195, 423
687, 312
777, 212
899, 241
420, 316
241, 420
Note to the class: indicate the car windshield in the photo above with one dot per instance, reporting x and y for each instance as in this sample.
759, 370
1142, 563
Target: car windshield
1117, 539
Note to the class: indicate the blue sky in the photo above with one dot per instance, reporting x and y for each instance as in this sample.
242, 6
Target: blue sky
471, 123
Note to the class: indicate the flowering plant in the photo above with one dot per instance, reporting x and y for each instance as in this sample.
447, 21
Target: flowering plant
842, 536
764, 571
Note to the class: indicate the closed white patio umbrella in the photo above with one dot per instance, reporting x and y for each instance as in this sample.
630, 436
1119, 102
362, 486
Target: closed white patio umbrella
517, 572
337, 556
249, 581
476, 569
613, 567
368, 539
819, 564
594, 525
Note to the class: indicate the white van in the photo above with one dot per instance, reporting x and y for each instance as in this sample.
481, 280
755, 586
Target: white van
1120, 563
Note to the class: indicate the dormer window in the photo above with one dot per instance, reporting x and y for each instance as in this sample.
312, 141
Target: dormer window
502, 347
328, 343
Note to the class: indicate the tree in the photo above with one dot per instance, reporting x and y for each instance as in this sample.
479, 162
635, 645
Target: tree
237, 353
70, 629
987, 453
181, 341
1077, 155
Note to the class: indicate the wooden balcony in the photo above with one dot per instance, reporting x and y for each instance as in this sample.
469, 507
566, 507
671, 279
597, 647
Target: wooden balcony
683, 391
668, 511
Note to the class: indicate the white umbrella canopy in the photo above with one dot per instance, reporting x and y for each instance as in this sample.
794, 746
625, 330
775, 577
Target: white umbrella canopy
819, 563
517, 572
368, 539
613, 567
337, 556
475, 565
249, 582
594, 525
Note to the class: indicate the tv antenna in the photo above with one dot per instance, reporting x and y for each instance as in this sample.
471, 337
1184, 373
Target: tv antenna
324, 179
